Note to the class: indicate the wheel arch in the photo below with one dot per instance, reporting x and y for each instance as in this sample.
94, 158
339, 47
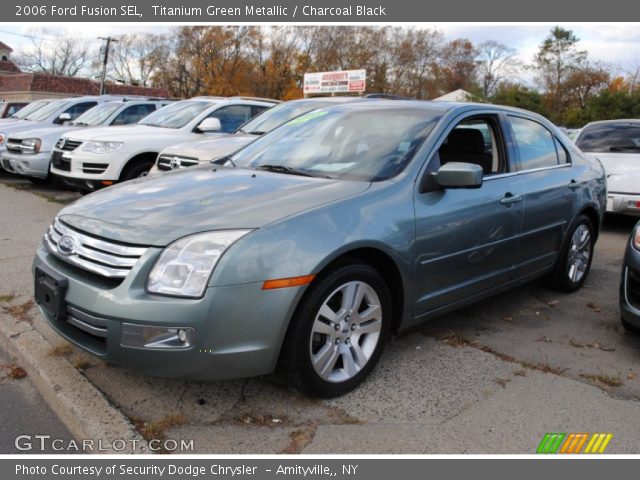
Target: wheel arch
138, 157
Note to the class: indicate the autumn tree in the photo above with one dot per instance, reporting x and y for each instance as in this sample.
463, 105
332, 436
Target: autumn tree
457, 66
557, 57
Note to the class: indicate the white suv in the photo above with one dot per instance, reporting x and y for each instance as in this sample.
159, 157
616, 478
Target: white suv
99, 157
29, 152
55, 112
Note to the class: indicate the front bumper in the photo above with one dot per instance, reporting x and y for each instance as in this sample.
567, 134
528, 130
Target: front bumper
623, 203
31, 165
630, 287
239, 329
86, 167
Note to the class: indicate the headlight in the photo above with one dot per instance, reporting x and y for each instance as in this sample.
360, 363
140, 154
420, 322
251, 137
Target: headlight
102, 147
185, 266
636, 237
31, 145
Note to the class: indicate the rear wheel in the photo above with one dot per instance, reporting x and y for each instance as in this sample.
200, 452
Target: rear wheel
574, 262
339, 331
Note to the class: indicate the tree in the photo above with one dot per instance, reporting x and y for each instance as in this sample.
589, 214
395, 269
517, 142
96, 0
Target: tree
557, 57
584, 81
457, 65
134, 58
496, 62
58, 55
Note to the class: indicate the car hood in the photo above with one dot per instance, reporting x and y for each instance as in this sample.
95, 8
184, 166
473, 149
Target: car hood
22, 125
44, 132
209, 149
159, 210
623, 171
121, 133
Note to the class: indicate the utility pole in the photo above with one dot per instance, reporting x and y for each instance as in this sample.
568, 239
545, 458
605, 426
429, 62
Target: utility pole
105, 60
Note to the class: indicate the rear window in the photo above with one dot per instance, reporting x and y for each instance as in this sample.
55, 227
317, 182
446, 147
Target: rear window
610, 137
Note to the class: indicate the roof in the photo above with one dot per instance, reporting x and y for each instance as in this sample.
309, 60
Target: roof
4, 46
45, 82
613, 121
458, 95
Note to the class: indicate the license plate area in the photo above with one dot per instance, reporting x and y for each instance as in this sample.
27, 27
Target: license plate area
50, 291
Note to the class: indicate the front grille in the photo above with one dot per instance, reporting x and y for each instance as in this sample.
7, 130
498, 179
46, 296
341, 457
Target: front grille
68, 145
6, 164
60, 162
171, 162
94, 168
633, 287
106, 258
14, 145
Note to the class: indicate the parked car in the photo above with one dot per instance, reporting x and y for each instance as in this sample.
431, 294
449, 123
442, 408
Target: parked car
24, 112
55, 112
7, 109
29, 152
308, 247
630, 284
99, 157
616, 143
190, 154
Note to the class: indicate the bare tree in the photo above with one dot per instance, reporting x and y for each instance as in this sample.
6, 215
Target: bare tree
496, 62
61, 54
135, 57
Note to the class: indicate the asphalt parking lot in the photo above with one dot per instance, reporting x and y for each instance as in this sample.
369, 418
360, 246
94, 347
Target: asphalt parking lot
491, 378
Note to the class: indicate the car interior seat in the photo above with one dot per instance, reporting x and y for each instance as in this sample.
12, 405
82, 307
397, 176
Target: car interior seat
466, 145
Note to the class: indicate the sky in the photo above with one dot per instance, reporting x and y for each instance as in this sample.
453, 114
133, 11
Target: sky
616, 44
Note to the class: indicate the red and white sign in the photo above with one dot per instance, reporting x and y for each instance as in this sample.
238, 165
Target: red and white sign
335, 82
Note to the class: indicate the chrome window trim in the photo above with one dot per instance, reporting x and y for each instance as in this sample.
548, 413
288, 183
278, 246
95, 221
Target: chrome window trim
486, 178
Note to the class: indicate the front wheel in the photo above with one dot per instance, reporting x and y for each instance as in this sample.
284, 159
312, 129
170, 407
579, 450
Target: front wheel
574, 262
339, 331
136, 170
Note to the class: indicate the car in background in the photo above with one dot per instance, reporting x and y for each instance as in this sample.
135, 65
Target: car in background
97, 157
308, 247
572, 133
7, 109
630, 284
616, 143
29, 152
24, 112
190, 154
55, 112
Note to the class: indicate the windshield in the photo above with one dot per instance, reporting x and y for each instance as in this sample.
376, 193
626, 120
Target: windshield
610, 137
176, 115
46, 111
369, 144
98, 114
29, 109
278, 115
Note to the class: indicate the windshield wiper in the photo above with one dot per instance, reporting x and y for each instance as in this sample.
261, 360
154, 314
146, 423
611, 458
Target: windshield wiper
222, 160
256, 132
624, 148
288, 170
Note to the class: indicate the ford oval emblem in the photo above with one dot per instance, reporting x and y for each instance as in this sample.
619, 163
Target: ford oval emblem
67, 245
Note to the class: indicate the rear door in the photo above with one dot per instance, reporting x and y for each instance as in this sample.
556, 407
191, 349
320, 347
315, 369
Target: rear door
551, 187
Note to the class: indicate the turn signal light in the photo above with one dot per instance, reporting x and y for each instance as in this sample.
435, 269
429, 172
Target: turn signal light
287, 282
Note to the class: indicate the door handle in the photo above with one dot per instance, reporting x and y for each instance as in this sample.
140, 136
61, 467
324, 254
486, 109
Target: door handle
510, 199
573, 184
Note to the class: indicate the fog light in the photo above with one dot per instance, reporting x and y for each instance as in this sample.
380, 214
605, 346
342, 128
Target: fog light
155, 337
106, 183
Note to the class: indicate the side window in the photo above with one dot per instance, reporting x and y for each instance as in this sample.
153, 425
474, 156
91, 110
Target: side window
476, 140
232, 116
133, 114
535, 144
258, 109
563, 155
79, 108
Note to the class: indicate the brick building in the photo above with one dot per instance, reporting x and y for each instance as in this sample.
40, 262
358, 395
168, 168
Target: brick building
16, 86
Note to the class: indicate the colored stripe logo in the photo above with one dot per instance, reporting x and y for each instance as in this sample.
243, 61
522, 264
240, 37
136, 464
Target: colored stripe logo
574, 443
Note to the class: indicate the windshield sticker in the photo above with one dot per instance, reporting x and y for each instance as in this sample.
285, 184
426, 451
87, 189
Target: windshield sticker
307, 117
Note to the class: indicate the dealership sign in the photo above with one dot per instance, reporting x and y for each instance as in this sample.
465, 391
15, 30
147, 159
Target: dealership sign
335, 82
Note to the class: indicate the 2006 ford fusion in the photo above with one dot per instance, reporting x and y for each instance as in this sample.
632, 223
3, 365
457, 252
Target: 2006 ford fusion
306, 249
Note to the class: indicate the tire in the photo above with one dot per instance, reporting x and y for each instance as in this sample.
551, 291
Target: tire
349, 346
629, 327
135, 169
573, 265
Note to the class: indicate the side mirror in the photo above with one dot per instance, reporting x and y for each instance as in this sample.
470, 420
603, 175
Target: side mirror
210, 124
63, 117
459, 175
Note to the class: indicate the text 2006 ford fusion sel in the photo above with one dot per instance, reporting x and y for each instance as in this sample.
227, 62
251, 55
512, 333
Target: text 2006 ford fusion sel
306, 249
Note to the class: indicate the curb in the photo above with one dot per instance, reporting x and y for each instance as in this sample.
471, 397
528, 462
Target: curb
84, 410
